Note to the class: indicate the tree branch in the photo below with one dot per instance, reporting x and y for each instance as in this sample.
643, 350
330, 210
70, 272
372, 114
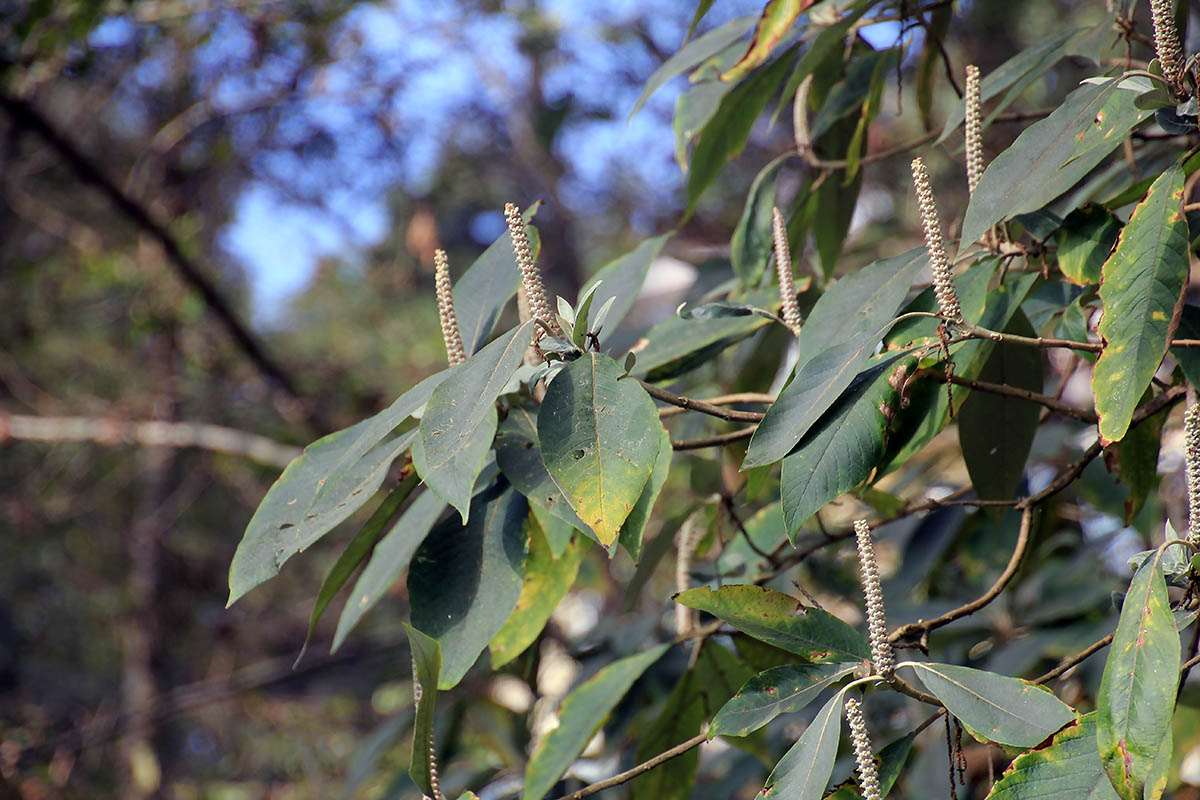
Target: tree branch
640, 769
1052, 403
688, 404
714, 441
215, 438
721, 400
24, 115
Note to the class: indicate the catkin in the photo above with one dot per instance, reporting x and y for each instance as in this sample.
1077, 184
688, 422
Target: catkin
868, 774
455, 354
881, 650
783, 266
1191, 436
939, 262
531, 278
974, 130
1166, 40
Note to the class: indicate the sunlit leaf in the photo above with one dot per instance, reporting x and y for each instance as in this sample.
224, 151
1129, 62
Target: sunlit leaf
1068, 767
693, 53
777, 18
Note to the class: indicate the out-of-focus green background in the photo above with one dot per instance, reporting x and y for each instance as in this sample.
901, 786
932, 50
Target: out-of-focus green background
309, 157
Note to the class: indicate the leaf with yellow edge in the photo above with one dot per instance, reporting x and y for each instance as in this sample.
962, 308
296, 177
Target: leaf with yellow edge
776, 20
1141, 291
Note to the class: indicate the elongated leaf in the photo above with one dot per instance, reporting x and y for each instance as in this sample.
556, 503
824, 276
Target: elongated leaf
995, 707
1051, 156
777, 19
486, 287
460, 419
1068, 767
834, 345
1142, 295
804, 771
1137, 693
780, 620
547, 580
634, 525
519, 456
465, 581
849, 94
1188, 357
328, 482
1016, 74
714, 678
776, 691
357, 551
693, 53
621, 279
696, 107
752, 242
600, 437
726, 133
427, 666
996, 432
845, 445
388, 561
583, 712
1084, 242
825, 45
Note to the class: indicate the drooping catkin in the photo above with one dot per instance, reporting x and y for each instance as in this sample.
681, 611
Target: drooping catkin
531, 278
455, 354
783, 266
974, 130
881, 650
939, 262
868, 773
1166, 40
1191, 444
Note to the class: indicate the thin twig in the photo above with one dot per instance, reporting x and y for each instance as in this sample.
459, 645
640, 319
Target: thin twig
215, 438
721, 400
689, 404
1078, 658
922, 627
1081, 414
714, 441
640, 769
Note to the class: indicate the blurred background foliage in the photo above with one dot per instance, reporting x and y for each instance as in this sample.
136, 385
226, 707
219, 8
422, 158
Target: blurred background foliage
309, 155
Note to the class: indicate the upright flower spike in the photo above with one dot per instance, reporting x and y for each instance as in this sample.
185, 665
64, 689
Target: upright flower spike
455, 354
868, 774
1191, 439
531, 278
1166, 40
974, 130
881, 650
783, 266
939, 262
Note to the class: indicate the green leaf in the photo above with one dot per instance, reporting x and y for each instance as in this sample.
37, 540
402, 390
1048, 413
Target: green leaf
357, 551
996, 432
726, 133
834, 345
780, 620
1085, 239
427, 666
1141, 294
752, 243
464, 581
832, 210
547, 580
994, 707
776, 691
717, 674
388, 561
328, 482
1051, 156
850, 93
804, 771
1017, 74
1136, 700
634, 525
843, 447
702, 8
1068, 767
483, 291
696, 107
581, 715
519, 456
460, 419
777, 18
693, 53
1136, 458
600, 437
622, 278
